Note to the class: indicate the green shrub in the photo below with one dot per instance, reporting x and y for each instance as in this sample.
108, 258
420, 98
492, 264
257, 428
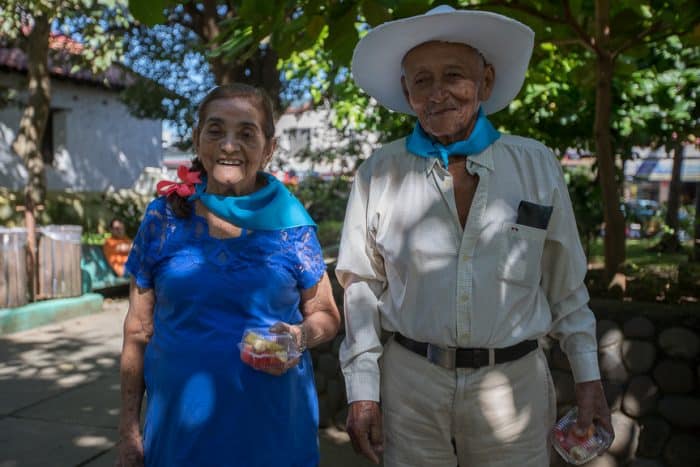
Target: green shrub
587, 202
93, 211
324, 199
329, 232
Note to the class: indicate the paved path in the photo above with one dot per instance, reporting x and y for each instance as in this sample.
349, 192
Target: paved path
59, 395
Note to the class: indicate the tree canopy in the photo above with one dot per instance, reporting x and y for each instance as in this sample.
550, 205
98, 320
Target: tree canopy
577, 93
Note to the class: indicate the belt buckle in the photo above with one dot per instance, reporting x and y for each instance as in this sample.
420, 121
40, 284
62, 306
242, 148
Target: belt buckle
444, 357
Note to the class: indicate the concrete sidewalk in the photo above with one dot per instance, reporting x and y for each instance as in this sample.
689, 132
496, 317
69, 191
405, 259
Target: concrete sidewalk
59, 395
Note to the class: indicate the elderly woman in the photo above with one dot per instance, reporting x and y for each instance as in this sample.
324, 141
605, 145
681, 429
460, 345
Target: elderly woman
228, 249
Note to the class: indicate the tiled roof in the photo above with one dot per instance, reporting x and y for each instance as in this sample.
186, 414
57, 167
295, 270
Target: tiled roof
61, 50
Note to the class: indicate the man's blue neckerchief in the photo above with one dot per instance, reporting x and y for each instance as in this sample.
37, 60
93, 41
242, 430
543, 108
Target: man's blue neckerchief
272, 207
483, 134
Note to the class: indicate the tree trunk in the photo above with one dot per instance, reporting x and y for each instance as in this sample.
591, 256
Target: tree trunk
260, 71
614, 241
696, 234
27, 144
670, 242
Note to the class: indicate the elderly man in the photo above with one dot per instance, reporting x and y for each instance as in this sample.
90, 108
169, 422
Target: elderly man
462, 243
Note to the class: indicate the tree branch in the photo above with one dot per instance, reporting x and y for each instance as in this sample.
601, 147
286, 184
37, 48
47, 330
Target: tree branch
525, 9
568, 20
567, 42
586, 38
661, 31
635, 39
196, 22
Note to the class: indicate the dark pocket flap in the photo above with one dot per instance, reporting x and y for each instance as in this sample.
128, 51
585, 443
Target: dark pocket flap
533, 215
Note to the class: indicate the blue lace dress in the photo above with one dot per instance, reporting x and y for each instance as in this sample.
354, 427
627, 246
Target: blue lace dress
204, 406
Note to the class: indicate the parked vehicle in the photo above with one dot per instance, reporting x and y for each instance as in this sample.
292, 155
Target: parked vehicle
639, 214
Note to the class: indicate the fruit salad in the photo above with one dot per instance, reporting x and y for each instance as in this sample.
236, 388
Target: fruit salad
578, 449
262, 349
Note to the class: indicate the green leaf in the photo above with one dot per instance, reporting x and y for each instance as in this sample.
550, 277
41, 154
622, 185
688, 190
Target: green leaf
406, 8
236, 45
625, 23
375, 13
342, 37
149, 12
315, 26
254, 11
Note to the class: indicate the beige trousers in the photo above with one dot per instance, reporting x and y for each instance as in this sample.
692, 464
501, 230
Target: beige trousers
494, 416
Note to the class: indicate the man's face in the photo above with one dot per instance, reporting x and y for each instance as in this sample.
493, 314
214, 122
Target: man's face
444, 83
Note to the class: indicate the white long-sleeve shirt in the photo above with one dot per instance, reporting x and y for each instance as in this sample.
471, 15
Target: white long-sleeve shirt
407, 265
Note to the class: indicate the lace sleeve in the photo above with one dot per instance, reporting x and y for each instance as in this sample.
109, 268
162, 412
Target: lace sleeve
148, 244
309, 267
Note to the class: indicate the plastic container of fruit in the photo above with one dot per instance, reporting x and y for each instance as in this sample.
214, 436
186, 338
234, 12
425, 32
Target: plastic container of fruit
263, 349
576, 449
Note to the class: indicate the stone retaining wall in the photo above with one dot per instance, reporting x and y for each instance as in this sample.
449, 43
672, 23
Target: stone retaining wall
650, 364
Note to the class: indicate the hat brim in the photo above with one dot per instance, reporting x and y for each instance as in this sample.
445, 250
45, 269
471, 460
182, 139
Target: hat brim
504, 42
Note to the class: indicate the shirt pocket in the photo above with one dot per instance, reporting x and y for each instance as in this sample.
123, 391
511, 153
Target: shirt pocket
521, 254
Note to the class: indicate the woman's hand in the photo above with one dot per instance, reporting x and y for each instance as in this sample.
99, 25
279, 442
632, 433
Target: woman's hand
270, 364
130, 453
295, 330
321, 322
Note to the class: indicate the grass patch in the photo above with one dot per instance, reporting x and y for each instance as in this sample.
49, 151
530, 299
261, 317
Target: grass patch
651, 276
638, 254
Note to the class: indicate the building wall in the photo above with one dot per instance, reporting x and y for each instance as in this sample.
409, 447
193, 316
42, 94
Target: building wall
312, 131
97, 144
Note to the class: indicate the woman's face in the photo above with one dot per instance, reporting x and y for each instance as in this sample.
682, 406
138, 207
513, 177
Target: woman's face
231, 145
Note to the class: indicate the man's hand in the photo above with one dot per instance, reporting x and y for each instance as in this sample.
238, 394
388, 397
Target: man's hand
590, 399
130, 453
364, 426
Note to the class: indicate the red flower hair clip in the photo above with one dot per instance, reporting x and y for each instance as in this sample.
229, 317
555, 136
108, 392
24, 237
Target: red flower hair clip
182, 189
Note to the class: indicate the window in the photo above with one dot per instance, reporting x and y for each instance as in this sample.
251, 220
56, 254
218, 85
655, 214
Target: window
54, 139
299, 139
47, 143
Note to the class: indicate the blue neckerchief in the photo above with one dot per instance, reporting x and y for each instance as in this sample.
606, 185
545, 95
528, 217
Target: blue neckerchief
272, 207
481, 137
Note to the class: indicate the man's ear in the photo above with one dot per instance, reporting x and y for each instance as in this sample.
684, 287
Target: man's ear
487, 82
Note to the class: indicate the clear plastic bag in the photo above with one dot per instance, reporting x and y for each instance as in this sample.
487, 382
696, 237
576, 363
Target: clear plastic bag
263, 349
575, 449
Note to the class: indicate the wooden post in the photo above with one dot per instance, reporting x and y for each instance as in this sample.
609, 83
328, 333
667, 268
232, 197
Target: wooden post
32, 263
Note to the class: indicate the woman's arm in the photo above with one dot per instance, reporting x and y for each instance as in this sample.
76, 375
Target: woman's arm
321, 316
138, 329
320, 323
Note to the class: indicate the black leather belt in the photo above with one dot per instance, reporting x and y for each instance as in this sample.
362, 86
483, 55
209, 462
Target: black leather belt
452, 357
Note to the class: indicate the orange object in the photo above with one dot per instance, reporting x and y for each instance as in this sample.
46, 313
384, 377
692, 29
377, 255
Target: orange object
116, 251
587, 434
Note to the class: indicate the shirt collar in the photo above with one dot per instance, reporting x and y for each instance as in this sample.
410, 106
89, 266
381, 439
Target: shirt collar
483, 159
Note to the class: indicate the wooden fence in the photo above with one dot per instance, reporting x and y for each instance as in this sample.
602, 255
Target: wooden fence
13, 267
59, 261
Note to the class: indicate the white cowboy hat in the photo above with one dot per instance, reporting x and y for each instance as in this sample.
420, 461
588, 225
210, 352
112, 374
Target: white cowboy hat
504, 42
